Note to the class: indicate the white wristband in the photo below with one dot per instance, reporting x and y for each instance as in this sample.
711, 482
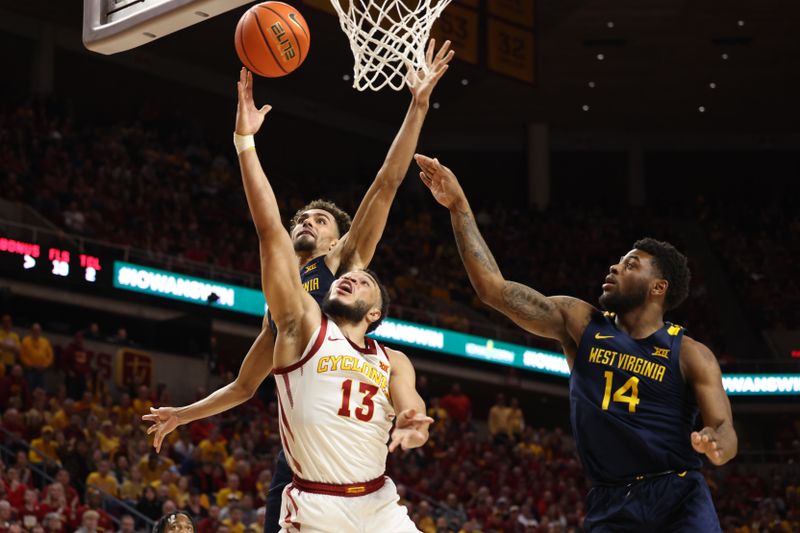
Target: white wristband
243, 142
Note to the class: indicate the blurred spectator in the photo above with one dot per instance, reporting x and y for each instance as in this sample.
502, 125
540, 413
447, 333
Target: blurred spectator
120, 337
516, 419
46, 448
104, 479
211, 523
127, 524
36, 355
14, 385
93, 332
77, 368
457, 404
152, 466
142, 403
234, 522
149, 505
231, 491
89, 522
499, 427
9, 345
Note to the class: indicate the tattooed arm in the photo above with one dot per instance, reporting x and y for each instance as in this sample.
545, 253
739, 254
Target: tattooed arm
557, 317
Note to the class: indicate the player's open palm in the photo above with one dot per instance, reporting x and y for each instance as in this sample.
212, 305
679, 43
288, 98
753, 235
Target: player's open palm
440, 180
165, 420
410, 430
705, 441
421, 84
248, 117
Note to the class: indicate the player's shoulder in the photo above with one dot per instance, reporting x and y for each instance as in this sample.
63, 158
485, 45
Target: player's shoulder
397, 359
696, 358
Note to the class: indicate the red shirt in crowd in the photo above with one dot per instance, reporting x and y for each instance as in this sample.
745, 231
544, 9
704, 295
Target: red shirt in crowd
458, 406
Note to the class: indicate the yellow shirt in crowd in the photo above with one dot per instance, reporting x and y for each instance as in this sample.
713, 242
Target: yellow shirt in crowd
36, 352
107, 483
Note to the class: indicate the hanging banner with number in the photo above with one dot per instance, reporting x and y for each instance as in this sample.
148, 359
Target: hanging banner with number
460, 25
511, 50
519, 12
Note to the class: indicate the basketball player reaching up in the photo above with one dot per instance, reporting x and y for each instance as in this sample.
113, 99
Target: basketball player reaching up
324, 243
636, 381
338, 392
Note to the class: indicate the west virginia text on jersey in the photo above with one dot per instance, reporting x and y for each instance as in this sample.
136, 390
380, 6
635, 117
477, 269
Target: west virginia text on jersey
631, 411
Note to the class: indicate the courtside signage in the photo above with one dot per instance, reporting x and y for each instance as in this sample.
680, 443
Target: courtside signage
155, 282
160, 283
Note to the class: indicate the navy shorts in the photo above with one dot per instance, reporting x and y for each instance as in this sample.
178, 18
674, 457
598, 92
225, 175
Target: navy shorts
669, 503
281, 477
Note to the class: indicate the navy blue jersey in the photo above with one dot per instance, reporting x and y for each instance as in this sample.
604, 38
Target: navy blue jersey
632, 412
316, 278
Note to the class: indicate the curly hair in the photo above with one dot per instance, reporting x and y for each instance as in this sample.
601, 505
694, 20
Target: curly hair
342, 219
673, 266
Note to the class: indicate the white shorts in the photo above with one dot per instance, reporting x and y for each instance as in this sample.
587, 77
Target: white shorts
378, 512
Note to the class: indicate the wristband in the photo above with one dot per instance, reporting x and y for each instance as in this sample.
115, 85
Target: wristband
243, 142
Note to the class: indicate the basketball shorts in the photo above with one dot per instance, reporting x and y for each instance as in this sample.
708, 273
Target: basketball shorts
675, 502
307, 512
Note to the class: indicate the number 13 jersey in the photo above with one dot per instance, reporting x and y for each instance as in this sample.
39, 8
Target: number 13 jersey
335, 413
632, 412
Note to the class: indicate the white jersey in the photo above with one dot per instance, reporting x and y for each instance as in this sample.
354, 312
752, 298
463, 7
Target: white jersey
334, 409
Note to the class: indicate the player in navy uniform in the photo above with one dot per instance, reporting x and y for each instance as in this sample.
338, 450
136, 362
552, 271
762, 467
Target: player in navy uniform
636, 381
324, 241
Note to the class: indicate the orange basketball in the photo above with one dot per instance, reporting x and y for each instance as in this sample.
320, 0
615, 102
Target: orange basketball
272, 39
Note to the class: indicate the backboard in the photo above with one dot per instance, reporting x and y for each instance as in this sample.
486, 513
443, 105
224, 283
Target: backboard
111, 26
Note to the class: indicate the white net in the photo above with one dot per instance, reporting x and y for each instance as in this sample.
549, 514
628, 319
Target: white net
387, 37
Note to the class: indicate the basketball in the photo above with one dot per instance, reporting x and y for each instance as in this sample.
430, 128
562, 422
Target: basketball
272, 39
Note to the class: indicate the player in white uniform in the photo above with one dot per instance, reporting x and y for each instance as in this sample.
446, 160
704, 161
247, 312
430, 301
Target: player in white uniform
338, 393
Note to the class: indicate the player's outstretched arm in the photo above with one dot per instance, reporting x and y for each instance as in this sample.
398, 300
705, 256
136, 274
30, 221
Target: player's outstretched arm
717, 440
255, 368
279, 280
411, 424
356, 249
557, 317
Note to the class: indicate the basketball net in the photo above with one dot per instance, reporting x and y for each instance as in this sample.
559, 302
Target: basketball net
387, 37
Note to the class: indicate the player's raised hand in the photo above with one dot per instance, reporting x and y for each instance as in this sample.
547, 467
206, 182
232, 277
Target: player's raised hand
705, 441
421, 84
248, 117
440, 180
165, 420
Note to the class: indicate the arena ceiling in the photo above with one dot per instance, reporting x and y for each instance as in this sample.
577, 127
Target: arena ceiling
660, 59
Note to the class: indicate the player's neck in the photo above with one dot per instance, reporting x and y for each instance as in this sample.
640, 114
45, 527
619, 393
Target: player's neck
641, 322
355, 332
304, 258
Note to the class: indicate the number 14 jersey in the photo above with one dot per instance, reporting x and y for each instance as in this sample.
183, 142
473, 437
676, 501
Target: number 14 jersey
335, 413
632, 412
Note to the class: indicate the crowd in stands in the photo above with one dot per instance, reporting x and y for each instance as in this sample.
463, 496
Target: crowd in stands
166, 189
506, 475
758, 257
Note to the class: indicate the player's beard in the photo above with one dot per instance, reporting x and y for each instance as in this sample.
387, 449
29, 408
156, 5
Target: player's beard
303, 245
349, 313
621, 302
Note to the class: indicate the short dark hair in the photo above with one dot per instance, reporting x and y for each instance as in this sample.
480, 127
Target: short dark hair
673, 266
342, 219
384, 300
164, 521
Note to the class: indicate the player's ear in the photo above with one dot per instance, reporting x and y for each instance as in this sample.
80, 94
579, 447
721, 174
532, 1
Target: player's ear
660, 287
374, 314
333, 244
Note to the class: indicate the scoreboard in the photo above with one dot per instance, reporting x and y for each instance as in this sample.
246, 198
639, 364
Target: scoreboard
24, 259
